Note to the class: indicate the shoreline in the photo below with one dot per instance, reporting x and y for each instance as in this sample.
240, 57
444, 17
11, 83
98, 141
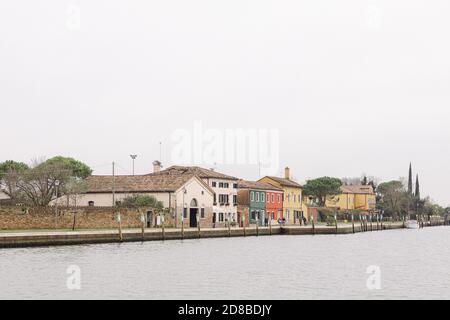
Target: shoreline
36, 238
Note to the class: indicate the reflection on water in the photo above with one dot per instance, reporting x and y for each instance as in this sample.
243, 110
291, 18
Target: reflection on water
414, 264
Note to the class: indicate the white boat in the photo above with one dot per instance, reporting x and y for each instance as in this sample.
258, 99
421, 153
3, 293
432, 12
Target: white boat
412, 224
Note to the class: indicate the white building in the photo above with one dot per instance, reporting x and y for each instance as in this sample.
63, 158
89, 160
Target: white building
225, 190
3, 196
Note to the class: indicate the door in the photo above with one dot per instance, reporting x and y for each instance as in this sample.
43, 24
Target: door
193, 218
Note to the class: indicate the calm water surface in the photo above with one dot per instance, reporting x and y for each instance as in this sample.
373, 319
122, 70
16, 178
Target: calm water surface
414, 264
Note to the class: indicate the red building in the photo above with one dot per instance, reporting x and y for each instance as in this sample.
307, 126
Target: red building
274, 204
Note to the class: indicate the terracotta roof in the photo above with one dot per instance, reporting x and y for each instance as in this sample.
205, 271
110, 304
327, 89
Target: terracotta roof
198, 171
286, 182
357, 189
141, 183
244, 184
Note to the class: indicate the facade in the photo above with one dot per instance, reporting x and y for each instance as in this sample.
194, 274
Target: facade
255, 203
225, 192
357, 197
187, 192
294, 209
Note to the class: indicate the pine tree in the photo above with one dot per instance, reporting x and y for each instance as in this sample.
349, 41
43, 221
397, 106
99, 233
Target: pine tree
410, 183
417, 188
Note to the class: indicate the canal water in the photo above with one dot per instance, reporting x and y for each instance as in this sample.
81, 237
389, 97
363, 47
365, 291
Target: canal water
403, 264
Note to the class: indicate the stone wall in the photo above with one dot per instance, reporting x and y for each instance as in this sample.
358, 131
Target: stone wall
17, 218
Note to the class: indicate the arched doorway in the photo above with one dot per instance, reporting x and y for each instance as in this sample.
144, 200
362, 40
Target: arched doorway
193, 211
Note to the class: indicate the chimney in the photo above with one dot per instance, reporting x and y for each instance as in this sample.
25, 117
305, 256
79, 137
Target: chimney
287, 173
156, 166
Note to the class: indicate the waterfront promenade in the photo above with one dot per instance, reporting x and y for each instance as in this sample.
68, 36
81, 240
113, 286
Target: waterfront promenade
9, 239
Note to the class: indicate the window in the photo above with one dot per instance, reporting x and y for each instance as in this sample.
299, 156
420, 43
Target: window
185, 213
257, 197
273, 198
214, 184
202, 213
226, 185
91, 203
279, 198
268, 198
235, 185
221, 217
294, 197
287, 197
253, 215
299, 198
234, 199
252, 196
224, 198
263, 197
215, 198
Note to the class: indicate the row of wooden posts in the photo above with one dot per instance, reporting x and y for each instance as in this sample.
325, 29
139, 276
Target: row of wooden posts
365, 225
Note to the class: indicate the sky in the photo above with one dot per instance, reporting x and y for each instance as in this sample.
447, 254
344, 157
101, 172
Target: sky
343, 87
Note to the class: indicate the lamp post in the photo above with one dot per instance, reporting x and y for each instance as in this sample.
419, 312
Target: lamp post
182, 213
133, 157
56, 202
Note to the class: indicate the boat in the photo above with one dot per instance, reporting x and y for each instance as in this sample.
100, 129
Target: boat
412, 224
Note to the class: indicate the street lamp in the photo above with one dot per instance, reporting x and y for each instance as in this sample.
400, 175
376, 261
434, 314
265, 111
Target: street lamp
133, 157
56, 202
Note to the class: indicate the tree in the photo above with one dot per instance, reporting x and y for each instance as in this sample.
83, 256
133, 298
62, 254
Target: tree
393, 198
9, 174
410, 183
78, 168
364, 181
39, 184
417, 193
321, 188
140, 201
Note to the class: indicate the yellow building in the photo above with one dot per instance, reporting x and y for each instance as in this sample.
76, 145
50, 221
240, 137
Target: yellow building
353, 198
294, 207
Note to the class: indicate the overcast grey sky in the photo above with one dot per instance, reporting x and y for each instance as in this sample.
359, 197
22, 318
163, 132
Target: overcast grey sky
352, 86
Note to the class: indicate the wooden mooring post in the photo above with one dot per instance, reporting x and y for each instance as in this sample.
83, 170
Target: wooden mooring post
371, 222
229, 224
119, 222
163, 227
143, 226
199, 232
353, 223
336, 223
243, 225
257, 226
313, 226
182, 225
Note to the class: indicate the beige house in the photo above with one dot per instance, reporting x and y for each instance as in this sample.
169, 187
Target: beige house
353, 197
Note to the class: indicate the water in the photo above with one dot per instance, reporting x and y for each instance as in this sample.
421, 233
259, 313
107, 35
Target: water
414, 264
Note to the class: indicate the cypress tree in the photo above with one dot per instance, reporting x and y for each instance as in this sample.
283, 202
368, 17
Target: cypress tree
417, 188
410, 183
